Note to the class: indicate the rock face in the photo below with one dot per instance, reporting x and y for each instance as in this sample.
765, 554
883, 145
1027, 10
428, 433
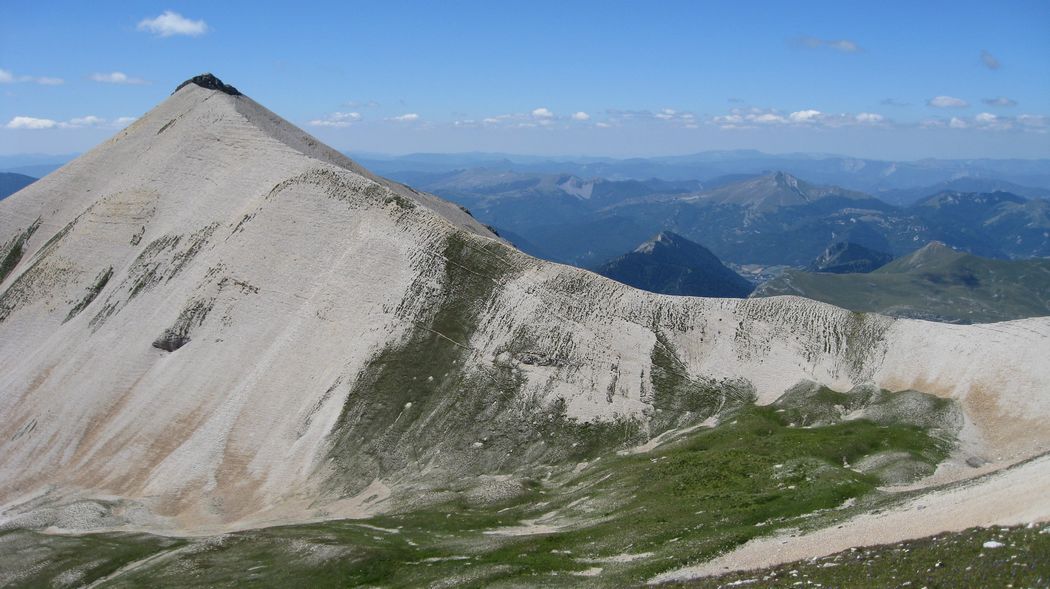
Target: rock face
345, 339
849, 258
209, 82
671, 264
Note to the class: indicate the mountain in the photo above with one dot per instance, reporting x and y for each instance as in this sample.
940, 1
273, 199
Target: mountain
935, 282
996, 224
771, 219
865, 175
518, 200
847, 258
774, 191
777, 219
11, 183
671, 264
911, 195
230, 355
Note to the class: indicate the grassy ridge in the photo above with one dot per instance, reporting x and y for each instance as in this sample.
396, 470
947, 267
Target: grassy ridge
931, 284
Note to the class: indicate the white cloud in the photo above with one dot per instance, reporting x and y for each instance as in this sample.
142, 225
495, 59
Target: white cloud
337, 120
581, 116
987, 121
31, 123
669, 115
1036, 122
805, 116
542, 113
1000, 101
602, 125
749, 118
406, 118
947, 102
171, 23
88, 121
6, 77
841, 45
989, 60
767, 118
844, 45
869, 118
116, 78
666, 114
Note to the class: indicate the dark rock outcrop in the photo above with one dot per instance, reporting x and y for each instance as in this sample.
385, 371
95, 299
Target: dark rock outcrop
210, 82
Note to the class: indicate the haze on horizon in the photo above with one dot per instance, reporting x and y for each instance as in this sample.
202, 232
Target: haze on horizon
893, 81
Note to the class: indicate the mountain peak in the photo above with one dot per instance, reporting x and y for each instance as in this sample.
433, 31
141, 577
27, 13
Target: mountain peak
210, 82
935, 254
785, 179
774, 190
664, 238
671, 264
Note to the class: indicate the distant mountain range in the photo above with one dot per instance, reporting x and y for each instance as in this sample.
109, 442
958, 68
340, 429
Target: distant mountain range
671, 264
774, 219
35, 165
11, 183
907, 196
515, 200
867, 175
935, 282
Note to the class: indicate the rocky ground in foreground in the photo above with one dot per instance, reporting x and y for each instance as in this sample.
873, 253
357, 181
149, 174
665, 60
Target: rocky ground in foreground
977, 557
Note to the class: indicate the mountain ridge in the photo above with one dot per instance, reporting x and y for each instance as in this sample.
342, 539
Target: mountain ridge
349, 346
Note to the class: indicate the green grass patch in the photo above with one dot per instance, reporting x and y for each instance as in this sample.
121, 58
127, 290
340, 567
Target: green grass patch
15, 250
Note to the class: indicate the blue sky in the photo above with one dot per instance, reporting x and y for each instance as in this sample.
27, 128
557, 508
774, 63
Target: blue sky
899, 80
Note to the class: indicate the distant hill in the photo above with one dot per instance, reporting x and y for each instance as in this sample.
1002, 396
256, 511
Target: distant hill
773, 219
935, 283
911, 195
11, 183
773, 191
995, 224
518, 200
846, 257
671, 264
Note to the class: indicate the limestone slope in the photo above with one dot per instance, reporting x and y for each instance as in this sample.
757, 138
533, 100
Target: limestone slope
214, 321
